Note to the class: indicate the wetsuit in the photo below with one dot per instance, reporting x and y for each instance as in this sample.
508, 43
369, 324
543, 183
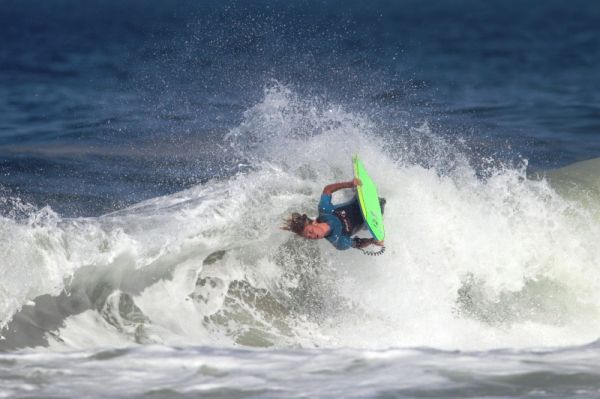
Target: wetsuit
343, 220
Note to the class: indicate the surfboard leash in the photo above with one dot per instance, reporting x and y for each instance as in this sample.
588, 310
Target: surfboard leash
380, 252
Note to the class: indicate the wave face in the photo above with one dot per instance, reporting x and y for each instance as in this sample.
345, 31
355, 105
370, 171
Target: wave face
475, 258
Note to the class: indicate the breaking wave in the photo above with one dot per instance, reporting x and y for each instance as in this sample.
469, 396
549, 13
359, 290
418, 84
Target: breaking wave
503, 260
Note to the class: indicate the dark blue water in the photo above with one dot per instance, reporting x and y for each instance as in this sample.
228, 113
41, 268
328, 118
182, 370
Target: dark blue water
106, 103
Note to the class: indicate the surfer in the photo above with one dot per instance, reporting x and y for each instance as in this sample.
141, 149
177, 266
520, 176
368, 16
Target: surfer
336, 223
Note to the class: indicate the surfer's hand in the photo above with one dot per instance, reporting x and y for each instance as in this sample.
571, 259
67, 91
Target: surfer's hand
379, 243
356, 182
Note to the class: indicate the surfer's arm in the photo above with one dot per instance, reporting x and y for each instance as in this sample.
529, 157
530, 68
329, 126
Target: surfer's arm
342, 243
331, 188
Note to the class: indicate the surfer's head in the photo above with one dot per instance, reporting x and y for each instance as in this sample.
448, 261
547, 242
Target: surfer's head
315, 230
305, 226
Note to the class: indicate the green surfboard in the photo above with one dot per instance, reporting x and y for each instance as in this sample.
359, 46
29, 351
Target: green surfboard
368, 200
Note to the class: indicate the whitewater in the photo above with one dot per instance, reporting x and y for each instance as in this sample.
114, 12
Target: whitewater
489, 284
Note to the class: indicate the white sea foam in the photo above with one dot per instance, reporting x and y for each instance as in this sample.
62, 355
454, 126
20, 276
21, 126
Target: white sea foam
471, 263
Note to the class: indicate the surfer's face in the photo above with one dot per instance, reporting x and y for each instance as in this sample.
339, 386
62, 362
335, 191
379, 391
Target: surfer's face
315, 230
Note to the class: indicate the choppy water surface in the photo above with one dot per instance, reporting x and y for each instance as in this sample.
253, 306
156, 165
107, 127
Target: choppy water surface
149, 153
352, 373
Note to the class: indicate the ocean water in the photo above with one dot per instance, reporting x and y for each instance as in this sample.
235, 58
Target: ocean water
149, 151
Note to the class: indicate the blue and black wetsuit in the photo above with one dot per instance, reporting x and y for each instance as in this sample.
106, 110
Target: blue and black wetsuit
344, 220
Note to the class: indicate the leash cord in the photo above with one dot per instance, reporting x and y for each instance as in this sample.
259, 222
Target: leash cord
380, 252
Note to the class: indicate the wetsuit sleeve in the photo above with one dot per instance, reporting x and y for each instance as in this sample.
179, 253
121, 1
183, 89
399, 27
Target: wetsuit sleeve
325, 205
341, 242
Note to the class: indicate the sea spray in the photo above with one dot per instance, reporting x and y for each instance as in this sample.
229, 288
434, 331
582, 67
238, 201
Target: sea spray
472, 262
